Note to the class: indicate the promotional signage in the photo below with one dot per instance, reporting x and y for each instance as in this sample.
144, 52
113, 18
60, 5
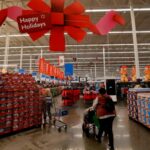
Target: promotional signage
21, 71
68, 69
83, 79
47, 78
43, 77
34, 23
34, 73
47, 69
58, 19
61, 61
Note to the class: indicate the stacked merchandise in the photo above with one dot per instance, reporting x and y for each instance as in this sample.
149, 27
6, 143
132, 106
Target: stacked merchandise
132, 102
143, 104
70, 96
20, 103
89, 96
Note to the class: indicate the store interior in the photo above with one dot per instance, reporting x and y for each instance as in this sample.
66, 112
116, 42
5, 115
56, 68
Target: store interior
56, 55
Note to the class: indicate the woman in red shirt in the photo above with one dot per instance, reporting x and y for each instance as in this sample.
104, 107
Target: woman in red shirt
105, 116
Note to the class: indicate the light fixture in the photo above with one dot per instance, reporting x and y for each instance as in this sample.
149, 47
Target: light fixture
118, 10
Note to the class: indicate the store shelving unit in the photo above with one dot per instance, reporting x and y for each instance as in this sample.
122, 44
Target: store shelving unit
143, 103
135, 104
70, 96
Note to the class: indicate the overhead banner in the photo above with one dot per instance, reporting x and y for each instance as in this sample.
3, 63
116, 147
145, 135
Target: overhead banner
109, 21
57, 19
34, 23
42, 65
69, 69
61, 61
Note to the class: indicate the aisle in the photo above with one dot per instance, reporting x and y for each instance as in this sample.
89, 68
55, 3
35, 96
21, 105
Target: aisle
128, 135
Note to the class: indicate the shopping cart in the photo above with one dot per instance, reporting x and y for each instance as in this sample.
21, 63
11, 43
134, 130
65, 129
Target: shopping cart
58, 113
90, 123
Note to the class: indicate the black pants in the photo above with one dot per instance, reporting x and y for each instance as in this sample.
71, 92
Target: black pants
47, 110
106, 125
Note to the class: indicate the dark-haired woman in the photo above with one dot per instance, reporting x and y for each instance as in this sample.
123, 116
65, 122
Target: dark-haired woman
105, 116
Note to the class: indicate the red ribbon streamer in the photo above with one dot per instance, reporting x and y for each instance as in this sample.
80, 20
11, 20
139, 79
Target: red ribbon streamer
70, 19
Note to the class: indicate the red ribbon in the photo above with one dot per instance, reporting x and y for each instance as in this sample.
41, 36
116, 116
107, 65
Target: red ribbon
70, 19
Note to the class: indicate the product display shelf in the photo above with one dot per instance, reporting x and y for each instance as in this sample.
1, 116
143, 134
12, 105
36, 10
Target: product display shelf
20, 103
70, 96
89, 96
132, 101
143, 104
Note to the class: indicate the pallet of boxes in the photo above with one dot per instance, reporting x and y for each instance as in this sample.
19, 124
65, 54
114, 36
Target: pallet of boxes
20, 103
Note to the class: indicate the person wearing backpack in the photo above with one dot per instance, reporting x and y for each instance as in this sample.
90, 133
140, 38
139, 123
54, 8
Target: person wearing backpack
105, 111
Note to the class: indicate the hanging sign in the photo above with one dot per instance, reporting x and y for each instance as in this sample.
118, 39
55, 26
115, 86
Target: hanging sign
43, 77
21, 71
58, 19
34, 23
34, 73
41, 65
61, 61
68, 69
109, 21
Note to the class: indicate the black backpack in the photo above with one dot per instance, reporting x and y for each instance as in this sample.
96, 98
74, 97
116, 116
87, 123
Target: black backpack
109, 105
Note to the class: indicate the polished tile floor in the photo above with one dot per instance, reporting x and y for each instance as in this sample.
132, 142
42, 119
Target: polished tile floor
128, 135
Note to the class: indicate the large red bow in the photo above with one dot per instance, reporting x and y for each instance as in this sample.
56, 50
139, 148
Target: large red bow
71, 20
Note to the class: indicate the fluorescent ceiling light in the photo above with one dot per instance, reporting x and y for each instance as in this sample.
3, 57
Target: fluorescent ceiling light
9, 65
129, 32
119, 10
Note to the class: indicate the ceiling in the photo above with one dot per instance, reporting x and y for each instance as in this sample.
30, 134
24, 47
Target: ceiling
116, 47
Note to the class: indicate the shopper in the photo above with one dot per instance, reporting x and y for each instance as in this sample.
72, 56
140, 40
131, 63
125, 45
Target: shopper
47, 104
105, 116
102, 85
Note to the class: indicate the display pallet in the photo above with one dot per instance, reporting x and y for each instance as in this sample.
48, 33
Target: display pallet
70, 96
20, 103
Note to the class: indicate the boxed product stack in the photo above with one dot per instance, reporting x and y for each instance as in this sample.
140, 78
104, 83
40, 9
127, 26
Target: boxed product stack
76, 94
70, 96
143, 104
89, 96
132, 102
20, 103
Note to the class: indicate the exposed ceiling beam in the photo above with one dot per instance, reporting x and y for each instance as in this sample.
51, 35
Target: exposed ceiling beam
82, 45
89, 33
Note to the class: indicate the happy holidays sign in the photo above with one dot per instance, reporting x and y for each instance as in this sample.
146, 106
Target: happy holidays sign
34, 23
